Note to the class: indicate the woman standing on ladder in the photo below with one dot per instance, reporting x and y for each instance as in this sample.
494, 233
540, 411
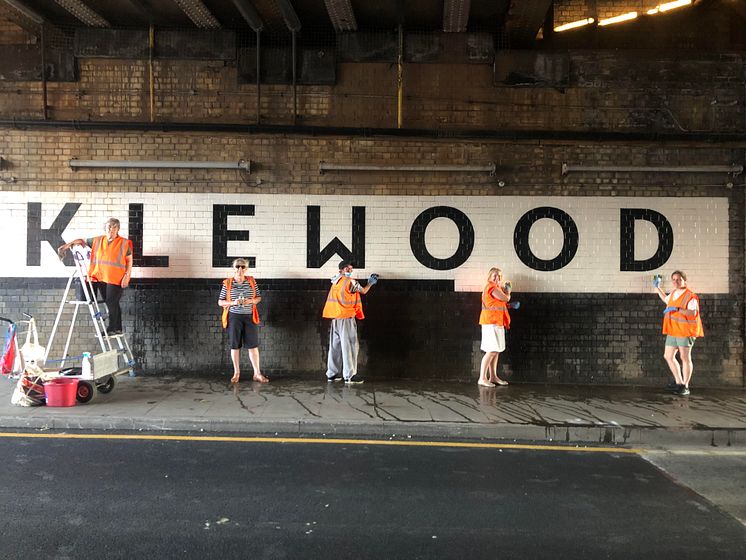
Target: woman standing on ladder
110, 269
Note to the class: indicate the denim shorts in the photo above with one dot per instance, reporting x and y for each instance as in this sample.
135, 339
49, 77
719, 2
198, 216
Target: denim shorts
680, 341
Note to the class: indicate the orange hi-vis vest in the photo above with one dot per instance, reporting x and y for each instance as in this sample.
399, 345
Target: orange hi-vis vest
341, 303
109, 259
679, 325
228, 283
494, 311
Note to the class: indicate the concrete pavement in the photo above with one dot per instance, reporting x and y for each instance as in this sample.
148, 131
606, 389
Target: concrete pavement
292, 406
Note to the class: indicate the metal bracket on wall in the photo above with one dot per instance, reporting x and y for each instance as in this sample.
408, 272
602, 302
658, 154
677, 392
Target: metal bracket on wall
735, 170
244, 165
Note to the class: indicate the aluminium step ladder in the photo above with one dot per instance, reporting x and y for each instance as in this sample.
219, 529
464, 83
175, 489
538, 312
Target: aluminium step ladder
97, 311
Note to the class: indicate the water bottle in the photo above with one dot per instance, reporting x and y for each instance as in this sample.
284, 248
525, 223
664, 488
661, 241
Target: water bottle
86, 369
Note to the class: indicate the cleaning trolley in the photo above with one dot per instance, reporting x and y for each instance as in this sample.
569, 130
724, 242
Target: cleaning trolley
97, 370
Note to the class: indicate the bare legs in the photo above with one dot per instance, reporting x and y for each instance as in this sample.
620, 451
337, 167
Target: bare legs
682, 374
488, 370
254, 358
236, 359
687, 366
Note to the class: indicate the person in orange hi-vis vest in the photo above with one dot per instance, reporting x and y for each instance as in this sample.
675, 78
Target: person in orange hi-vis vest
239, 297
343, 306
682, 325
110, 270
494, 319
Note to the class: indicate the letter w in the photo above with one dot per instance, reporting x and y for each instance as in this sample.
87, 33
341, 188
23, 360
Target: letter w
316, 257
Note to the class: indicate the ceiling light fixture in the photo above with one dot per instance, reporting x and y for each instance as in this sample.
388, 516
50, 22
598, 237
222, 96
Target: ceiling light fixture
574, 24
618, 19
669, 6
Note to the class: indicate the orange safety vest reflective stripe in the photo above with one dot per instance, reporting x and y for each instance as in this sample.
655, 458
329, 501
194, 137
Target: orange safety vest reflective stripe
109, 259
341, 303
679, 325
494, 311
228, 283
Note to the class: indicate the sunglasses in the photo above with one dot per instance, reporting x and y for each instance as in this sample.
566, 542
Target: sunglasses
239, 266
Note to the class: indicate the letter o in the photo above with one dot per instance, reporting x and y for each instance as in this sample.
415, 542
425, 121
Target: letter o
569, 244
465, 241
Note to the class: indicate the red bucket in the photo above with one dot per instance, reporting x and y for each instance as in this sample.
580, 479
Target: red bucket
61, 391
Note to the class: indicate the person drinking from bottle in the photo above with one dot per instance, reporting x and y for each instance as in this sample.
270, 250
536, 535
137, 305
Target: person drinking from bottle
239, 297
682, 325
494, 319
343, 306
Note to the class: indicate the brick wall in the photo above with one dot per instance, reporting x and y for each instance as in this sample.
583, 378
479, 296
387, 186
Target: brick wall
419, 321
11, 34
605, 91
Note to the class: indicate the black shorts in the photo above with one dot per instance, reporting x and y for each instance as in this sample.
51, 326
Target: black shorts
242, 331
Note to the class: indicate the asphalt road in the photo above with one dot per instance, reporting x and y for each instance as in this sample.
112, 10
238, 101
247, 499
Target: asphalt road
63, 498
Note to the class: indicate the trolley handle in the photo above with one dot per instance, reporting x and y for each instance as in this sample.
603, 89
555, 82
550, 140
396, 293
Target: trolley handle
7, 320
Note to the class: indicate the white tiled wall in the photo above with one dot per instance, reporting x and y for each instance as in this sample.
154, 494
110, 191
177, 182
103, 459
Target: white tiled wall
179, 225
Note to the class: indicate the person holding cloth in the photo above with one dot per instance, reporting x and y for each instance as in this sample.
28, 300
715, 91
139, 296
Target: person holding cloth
494, 319
110, 270
682, 325
239, 297
343, 306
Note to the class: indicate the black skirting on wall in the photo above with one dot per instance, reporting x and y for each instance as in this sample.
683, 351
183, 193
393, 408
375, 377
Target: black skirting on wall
419, 329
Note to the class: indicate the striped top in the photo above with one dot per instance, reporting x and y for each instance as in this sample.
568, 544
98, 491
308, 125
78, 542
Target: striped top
240, 290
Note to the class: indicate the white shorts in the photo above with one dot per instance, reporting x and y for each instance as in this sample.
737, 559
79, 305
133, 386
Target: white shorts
493, 338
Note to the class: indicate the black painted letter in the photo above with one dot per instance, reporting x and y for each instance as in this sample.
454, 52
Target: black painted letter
221, 234
569, 243
465, 240
35, 235
136, 236
627, 219
316, 258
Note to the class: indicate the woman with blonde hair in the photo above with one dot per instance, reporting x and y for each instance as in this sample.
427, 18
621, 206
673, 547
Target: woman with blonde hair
494, 319
682, 325
238, 298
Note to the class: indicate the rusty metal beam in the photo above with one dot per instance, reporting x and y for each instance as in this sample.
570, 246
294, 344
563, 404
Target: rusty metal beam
83, 13
455, 15
198, 13
23, 16
341, 14
288, 14
250, 14
525, 18
739, 6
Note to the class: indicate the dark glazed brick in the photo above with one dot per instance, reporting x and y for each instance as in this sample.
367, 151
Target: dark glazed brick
174, 328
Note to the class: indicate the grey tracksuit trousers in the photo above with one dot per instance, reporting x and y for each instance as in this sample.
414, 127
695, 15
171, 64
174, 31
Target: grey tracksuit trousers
343, 348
